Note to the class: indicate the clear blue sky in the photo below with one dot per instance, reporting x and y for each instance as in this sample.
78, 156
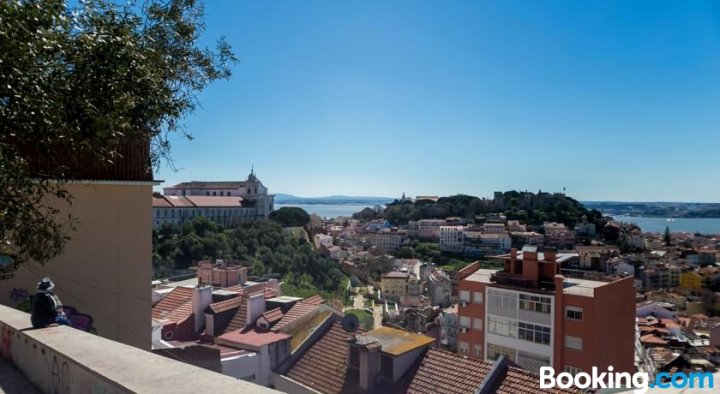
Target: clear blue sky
614, 100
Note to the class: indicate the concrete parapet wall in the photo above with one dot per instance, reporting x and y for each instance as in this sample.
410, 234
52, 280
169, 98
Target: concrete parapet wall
65, 360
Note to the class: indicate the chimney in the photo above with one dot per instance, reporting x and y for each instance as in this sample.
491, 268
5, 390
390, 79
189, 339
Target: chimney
255, 308
369, 365
201, 299
550, 254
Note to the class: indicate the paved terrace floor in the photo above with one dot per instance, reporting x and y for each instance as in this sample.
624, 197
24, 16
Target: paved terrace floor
13, 381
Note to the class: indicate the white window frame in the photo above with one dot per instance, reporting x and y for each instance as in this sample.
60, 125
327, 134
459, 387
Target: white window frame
464, 347
464, 295
575, 343
575, 309
572, 370
477, 350
465, 321
478, 297
478, 323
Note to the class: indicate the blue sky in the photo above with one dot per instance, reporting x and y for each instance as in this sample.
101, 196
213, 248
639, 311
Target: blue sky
614, 100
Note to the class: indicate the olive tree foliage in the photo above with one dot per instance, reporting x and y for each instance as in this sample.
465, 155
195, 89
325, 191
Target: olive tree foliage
80, 82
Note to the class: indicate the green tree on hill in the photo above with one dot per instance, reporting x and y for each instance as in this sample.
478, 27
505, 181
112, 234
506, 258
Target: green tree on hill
290, 217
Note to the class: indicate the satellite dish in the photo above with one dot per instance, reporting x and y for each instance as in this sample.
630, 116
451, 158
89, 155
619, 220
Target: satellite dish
350, 323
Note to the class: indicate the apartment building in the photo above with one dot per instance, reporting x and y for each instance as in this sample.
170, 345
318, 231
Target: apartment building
660, 276
394, 285
451, 238
558, 236
387, 240
428, 229
534, 316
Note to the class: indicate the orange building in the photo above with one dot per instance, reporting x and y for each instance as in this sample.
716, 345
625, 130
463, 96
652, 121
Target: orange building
535, 316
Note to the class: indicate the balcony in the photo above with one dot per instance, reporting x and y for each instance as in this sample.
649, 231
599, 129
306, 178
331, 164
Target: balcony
65, 360
505, 279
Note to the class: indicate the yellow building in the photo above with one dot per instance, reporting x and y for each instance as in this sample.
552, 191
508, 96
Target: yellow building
691, 280
394, 285
105, 269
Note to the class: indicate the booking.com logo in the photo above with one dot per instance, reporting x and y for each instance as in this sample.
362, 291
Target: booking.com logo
639, 382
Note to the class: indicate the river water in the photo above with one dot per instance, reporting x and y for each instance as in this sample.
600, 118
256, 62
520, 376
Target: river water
688, 225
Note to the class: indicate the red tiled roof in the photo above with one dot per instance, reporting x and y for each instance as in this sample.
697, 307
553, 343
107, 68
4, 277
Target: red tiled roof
175, 307
250, 337
226, 305
273, 315
196, 201
295, 313
445, 372
213, 201
314, 300
270, 293
323, 367
652, 339
520, 381
239, 320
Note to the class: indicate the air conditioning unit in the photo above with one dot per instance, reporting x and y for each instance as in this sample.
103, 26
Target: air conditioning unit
463, 330
463, 304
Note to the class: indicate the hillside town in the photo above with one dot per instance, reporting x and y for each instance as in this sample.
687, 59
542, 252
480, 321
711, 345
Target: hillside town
511, 292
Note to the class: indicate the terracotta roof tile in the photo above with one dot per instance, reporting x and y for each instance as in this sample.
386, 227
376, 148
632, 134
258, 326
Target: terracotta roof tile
520, 381
250, 337
445, 372
239, 320
295, 313
323, 367
273, 315
175, 307
314, 300
226, 305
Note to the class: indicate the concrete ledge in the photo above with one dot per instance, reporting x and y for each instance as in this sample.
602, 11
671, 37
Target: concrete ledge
65, 360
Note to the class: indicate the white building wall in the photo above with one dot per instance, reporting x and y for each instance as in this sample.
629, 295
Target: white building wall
242, 367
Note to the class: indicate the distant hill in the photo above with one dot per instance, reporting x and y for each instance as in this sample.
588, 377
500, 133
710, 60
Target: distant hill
281, 198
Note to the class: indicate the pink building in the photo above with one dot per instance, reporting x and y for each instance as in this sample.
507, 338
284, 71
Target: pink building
221, 274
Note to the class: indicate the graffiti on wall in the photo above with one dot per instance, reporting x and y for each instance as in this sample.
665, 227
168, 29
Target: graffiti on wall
6, 335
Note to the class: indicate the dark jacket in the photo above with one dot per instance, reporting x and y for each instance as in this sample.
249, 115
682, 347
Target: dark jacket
43, 310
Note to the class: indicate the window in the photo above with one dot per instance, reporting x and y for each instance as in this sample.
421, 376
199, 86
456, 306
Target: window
572, 370
478, 297
534, 303
534, 333
464, 347
502, 299
573, 342
495, 351
477, 350
207, 193
502, 326
574, 313
478, 323
464, 296
214, 193
465, 321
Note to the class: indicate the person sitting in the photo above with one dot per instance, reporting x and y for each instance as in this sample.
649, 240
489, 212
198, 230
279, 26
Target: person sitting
46, 306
